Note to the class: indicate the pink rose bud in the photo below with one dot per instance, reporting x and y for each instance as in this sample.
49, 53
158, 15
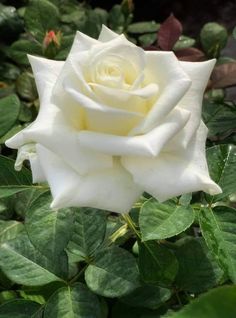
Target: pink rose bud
51, 37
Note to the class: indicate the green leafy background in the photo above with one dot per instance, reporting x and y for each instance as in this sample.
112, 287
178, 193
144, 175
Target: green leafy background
171, 259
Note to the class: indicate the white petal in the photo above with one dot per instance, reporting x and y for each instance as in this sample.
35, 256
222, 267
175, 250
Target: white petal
163, 69
110, 189
132, 100
172, 174
102, 118
28, 152
199, 73
56, 134
148, 145
82, 42
37, 171
106, 34
46, 73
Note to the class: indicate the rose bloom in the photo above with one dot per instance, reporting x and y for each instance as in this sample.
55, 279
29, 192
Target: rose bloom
115, 121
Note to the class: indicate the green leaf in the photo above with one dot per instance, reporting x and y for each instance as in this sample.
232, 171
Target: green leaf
9, 230
10, 177
218, 228
89, 232
184, 42
24, 199
19, 50
147, 39
220, 118
113, 273
12, 181
25, 86
7, 191
198, 270
9, 71
9, 111
157, 264
213, 38
76, 301
49, 230
143, 27
221, 162
33, 295
37, 19
23, 264
217, 303
10, 23
19, 308
116, 19
159, 221
147, 296
14, 130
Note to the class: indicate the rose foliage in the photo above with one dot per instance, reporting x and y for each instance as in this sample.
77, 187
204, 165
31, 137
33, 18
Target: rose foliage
108, 115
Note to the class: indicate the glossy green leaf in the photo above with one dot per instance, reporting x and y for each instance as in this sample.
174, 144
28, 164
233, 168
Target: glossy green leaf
12, 181
10, 23
116, 19
147, 296
157, 264
217, 303
23, 264
76, 301
9, 71
9, 111
89, 231
33, 295
198, 270
19, 50
147, 39
220, 118
37, 18
19, 308
213, 38
183, 43
143, 27
221, 162
113, 273
218, 228
159, 221
9, 176
25, 86
9, 230
49, 230
14, 130
24, 199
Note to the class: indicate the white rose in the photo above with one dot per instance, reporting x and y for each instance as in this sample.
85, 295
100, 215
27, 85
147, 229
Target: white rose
116, 121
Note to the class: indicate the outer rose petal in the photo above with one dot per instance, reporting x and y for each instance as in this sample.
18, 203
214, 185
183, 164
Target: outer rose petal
199, 73
164, 69
106, 34
52, 129
148, 145
172, 174
28, 152
110, 189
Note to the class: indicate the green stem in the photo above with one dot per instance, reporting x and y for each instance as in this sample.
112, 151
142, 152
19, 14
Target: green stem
131, 225
77, 276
